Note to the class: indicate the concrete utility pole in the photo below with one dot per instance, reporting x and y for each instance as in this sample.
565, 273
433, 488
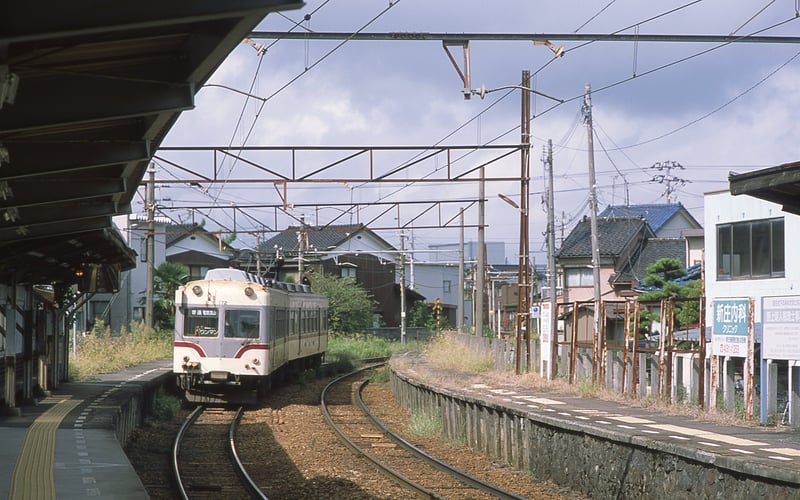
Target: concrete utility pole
668, 178
151, 247
460, 306
587, 115
402, 288
551, 264
300, 246
481, 267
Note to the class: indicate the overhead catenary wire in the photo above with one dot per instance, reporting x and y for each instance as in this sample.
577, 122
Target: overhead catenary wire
517, 127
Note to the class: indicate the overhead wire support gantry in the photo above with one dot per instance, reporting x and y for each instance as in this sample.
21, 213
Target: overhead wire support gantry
528, 37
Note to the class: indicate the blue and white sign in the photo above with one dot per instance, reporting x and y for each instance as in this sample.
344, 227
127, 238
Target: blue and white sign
731, 322
780, 317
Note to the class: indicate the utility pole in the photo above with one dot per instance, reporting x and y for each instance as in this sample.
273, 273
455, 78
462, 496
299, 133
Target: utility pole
523, 272
587, 115
668, 178
300, 244
258, 254
412, 282
460, 306
551, 264
479, 273
151, 247
402, 288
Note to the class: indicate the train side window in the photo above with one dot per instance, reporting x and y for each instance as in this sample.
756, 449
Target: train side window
200, 322
242, 324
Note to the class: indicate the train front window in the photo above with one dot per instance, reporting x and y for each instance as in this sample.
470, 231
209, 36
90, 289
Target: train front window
200, 322
242, 324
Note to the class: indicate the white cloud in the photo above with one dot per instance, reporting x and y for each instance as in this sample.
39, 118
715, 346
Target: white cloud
408, 93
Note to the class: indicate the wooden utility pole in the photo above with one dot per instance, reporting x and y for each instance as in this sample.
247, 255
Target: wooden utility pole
587, 115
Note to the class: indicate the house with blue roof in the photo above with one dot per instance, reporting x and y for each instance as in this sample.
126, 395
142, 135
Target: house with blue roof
667, 220
630, 239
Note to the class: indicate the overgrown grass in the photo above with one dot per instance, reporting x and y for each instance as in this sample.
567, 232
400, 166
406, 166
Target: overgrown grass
424, 423
380, 376
365, 346
447, 352
102, 351
165, 406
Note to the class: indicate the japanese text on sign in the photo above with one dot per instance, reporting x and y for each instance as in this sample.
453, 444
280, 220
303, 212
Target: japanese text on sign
731, 324
781, 325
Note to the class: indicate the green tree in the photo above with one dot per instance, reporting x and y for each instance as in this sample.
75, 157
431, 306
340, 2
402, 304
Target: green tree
350, 305
660, 278
166, 280
420, 315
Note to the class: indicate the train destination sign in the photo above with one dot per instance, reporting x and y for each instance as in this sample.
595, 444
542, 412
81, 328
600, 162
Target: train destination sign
731, 321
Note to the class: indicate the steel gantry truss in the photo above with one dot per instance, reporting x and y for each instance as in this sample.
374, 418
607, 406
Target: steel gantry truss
206, 167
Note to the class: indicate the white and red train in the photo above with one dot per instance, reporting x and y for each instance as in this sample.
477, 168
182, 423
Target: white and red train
235, 332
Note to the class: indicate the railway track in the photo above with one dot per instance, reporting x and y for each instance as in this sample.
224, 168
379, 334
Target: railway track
205, 463
345, 411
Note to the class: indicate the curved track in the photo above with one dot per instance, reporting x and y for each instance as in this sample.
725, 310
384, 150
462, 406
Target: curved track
202, 466
398, 458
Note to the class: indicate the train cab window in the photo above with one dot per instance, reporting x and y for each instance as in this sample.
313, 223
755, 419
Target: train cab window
200, 322
242, 324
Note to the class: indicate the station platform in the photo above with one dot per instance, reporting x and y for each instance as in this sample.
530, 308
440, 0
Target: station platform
68, 444
607, 448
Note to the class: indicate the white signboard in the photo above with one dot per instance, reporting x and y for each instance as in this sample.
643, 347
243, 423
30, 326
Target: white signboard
545, 318
780, 318
731, 322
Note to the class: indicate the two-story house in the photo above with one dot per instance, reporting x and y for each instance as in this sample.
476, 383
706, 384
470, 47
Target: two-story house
630, 238
350, 251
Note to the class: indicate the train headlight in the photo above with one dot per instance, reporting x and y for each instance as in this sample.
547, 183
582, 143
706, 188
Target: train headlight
249, 292
198, 290
256, 361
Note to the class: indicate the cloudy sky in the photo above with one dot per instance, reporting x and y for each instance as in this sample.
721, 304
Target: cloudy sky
711, 108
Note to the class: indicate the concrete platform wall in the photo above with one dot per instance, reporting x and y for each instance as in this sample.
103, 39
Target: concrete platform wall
598, 462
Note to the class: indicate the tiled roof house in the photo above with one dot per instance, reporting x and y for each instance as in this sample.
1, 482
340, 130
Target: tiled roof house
621, 241
351, 251
667, 220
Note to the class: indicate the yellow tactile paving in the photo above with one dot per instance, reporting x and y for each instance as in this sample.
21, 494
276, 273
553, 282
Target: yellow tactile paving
33, 473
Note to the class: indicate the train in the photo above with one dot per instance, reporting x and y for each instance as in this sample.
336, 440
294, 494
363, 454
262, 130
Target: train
236, 333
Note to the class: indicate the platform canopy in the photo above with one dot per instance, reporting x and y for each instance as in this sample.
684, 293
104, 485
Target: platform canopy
779, 185
88, 90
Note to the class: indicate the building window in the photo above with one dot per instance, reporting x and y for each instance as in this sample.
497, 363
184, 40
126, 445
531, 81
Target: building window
751, 250
579, 277
348, 272
446, 284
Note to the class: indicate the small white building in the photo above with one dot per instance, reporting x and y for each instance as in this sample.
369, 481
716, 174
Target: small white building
748, 255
